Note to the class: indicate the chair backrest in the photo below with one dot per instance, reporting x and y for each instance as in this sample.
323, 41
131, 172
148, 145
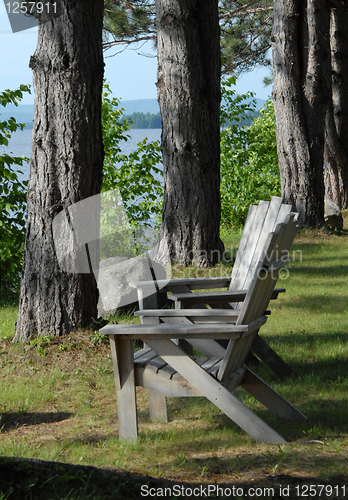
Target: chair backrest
261, 220
273, 257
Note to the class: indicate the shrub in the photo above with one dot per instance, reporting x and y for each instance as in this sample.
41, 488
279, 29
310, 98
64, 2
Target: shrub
249, 164
12, 201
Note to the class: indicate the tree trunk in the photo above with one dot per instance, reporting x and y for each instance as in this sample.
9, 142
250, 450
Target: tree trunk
336, 143
189, 97
301, 91
66, 165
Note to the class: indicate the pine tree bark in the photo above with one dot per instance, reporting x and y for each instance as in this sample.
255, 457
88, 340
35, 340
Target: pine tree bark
66, 165
301, 91
336, 143
189, 96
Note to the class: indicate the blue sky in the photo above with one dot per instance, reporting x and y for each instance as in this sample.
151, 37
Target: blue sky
130, 73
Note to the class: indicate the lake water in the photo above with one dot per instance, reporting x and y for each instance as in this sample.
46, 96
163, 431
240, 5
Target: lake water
20, 144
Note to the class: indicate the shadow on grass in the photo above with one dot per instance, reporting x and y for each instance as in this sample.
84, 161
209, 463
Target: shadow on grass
322, 303
24, 479
307, 338
320, 271
9, 421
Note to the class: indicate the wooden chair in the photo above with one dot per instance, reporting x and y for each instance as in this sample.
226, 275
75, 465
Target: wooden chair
167, 370
261, 220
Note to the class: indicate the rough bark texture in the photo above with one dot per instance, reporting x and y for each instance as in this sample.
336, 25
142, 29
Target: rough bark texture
336, 143
189, 97
301, 91
66, 164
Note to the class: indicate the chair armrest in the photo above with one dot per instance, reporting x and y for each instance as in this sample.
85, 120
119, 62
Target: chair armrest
192, 283
209, 297
173, 331
216, 297
209, 314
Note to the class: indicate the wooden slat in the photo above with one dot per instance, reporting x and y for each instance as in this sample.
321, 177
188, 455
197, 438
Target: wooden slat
270, 398
173, 331
146, 299
238, 276
209, 363
165, 371
142, 351
271, 220
214, 368
168, 371
285, 210
207, 347
188, 312
235, 379
277, 264
157, 363
192, 283
211, 330
271, 359
145, 358
210, 297
243, 242
216, 299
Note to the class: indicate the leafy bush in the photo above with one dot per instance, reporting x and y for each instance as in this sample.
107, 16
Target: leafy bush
249, 164
12, 200
136, 177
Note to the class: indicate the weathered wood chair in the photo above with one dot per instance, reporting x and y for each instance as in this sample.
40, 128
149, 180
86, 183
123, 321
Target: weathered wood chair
261, 219
167, 370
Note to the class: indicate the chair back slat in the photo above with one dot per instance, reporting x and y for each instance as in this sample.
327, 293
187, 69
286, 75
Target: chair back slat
246, 249
259, 292
264, 219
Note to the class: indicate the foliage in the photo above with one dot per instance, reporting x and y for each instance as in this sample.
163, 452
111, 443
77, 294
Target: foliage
245, 34
245, 29
136, 177
127, 22
12, 200
249, 165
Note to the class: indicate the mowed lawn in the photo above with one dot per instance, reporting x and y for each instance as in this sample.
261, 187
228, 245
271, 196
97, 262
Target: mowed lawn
58, 401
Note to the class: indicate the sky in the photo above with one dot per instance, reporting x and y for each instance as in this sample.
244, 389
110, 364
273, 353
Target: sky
131, 74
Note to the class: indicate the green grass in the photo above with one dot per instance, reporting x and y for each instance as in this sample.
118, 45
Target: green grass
58, 403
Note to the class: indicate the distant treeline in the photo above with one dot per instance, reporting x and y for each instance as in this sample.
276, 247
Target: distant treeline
149, 120
142, 120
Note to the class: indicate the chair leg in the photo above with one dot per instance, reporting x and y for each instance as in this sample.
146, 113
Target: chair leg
271, 359
270, 398
123, 363
157, 406
127, 413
